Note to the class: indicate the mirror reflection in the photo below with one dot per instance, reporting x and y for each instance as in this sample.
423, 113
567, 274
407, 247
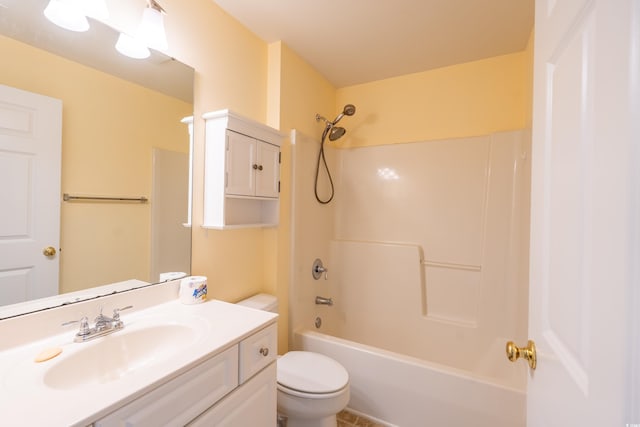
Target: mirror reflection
121, 136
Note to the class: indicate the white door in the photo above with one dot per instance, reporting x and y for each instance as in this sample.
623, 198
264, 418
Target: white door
30, 153
584, 217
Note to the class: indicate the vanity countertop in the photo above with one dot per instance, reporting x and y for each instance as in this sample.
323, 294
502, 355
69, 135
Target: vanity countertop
28, 399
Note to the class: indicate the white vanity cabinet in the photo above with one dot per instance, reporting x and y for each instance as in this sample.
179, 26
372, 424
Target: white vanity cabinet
242, 172
215, 392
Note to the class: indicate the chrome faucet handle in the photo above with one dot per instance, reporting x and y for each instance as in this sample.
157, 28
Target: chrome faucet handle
116, 312
84, 326
317, 269
102, 321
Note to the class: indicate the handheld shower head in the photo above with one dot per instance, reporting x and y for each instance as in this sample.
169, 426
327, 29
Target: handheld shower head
333, 132
348, 110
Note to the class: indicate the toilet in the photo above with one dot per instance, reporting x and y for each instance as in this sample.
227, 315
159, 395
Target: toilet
312, 388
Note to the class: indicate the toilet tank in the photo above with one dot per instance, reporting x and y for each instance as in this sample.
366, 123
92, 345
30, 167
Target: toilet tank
264, 302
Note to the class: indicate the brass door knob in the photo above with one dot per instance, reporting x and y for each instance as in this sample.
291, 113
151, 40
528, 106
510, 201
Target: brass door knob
528, 353
49, 251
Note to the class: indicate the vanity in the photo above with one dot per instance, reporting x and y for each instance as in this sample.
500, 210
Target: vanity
172, 364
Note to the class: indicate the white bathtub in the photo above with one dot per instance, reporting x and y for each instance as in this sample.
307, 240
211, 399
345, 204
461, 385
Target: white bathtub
397, 390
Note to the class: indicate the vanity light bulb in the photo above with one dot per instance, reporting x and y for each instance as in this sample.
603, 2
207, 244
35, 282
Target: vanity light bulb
64, 14
151, 29
96, 9
132, 47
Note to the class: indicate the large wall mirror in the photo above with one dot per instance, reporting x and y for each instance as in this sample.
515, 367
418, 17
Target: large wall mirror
122, 136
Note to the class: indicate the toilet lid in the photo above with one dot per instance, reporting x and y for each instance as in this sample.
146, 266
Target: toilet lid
310, 372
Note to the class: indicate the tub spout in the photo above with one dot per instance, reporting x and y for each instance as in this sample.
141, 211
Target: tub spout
324, 301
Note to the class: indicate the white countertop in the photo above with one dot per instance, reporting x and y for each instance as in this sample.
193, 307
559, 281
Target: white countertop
25, 399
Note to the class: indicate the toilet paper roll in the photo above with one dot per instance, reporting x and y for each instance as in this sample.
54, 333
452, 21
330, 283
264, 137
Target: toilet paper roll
193, 289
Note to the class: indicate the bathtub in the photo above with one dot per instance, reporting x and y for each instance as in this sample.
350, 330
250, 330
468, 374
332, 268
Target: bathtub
397, 390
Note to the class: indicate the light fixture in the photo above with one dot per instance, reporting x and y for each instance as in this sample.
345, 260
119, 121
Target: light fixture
132, 47
66, 14
72, 14
151, 29
150, 34
96, 9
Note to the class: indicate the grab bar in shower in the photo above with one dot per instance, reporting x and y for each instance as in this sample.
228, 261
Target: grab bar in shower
451, 265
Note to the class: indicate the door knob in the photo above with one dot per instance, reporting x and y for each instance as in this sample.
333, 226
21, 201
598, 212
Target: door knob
49, 251
528, 353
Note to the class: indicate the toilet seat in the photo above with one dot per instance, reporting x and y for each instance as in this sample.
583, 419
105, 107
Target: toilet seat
311, 375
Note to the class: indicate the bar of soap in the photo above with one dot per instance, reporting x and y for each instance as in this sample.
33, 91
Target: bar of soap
47, 354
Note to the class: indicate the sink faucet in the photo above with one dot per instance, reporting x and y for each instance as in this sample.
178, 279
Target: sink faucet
104, 325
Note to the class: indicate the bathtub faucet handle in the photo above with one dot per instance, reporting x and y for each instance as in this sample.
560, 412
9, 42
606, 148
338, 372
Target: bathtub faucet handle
317, 269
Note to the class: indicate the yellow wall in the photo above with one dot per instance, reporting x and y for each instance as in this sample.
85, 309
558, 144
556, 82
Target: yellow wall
271, 84
474, 98
301, 92
231, 72
106, 150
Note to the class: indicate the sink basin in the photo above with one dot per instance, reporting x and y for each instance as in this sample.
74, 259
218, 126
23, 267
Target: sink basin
114, 356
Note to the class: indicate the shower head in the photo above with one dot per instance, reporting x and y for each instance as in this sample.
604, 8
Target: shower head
336, 133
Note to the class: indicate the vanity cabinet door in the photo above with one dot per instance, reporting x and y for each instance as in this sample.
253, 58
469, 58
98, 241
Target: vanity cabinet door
180, 400
252, 404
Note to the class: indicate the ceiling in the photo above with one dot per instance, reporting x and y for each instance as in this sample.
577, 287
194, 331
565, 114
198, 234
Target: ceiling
358, 41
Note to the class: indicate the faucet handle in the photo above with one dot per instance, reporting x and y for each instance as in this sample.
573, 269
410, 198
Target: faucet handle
116, 312
317, 269
84, 326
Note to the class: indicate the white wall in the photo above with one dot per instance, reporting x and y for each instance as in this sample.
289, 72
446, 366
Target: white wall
426, 245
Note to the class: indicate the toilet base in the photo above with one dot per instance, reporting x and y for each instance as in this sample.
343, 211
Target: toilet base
329, 421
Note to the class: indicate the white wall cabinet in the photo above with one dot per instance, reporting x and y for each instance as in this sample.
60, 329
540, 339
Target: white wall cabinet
253, 167
216, 392
242, 172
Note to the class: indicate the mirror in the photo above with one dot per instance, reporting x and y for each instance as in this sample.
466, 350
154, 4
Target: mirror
122, 136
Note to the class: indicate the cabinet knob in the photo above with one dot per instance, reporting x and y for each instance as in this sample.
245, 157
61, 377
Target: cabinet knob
260, 167
255, 166
264, 351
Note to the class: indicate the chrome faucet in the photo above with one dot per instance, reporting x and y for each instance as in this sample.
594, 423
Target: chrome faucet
324, 301
104, 325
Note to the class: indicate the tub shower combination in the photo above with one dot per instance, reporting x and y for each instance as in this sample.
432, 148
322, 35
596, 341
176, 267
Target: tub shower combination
427, 244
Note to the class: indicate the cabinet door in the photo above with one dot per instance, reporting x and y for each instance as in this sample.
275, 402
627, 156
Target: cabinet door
241, 158
252, 404
268, 174
182, 399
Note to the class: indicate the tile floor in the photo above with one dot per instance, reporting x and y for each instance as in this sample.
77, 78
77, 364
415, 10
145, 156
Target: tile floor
348, 419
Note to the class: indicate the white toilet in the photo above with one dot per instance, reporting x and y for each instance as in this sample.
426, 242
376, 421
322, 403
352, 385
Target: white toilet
312, 388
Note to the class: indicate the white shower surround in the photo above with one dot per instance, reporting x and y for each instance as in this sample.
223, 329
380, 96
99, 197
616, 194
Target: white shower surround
426, 246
